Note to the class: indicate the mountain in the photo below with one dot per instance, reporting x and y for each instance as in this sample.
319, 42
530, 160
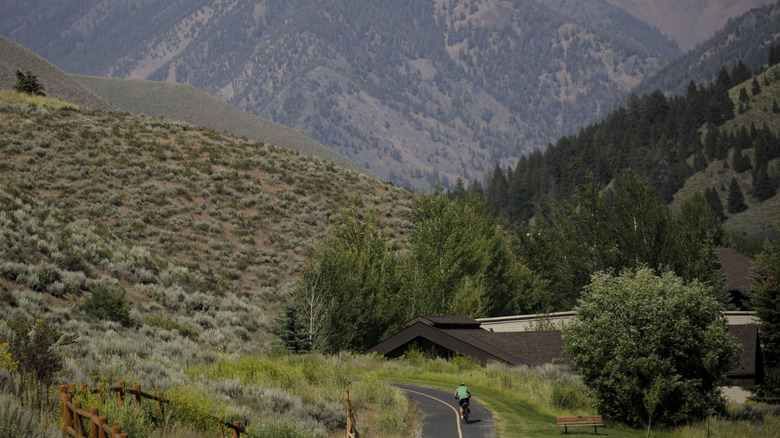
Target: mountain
688, 23
744, 39
415, 91
721, 140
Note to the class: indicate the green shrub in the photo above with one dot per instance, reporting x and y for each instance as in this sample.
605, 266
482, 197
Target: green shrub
568, 396
278, 430
108, 304
192, 406
168, 322
135, 421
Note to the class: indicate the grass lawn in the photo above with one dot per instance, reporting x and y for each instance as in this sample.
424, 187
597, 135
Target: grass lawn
516, 416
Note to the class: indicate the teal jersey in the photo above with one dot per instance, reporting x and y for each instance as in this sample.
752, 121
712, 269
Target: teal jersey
462, 392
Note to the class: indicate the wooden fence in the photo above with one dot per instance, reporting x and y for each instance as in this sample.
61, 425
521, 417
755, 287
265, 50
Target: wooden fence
72, 412
351, 432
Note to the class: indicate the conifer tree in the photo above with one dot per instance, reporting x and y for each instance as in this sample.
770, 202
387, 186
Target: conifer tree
736, 200
764, 187
756, 87
28, 83
713, 200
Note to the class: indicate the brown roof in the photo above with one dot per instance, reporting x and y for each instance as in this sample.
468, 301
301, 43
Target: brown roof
736, 268
446, 321
464, 336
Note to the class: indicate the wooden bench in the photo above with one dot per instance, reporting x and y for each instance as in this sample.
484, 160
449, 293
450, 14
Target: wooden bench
581, 420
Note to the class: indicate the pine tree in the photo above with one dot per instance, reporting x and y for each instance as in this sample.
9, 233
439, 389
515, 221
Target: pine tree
756, 87
764, 187
743, 95
740, 162
28, 83
713, 200
736, 200
740, 73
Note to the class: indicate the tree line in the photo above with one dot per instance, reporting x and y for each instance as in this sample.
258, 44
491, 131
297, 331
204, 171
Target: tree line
659, 137
459, 259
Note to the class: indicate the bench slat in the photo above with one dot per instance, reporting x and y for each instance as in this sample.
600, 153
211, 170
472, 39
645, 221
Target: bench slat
580, 420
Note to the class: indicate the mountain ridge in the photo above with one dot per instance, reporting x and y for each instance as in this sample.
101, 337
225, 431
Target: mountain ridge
418, 92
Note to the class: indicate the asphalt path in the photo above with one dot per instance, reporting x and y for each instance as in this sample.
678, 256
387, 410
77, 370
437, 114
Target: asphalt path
441, 416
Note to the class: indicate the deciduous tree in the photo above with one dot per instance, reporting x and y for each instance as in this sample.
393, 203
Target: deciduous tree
650, 344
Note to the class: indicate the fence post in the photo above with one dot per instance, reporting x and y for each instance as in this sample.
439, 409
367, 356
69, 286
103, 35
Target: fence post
121, 392
115, 430
67, 415
160, 405
77, 418
63, 390
236, 433
350, 423
137, 395
102, 420
94, 423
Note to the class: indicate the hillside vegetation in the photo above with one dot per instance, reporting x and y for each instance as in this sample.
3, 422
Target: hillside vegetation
417, 92
696, 142
197, 212
191, 105
154, 246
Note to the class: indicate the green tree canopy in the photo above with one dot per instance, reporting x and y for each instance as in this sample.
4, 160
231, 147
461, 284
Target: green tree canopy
627, 226
359, 287
460, 262
28, 83
650, 344
347, 294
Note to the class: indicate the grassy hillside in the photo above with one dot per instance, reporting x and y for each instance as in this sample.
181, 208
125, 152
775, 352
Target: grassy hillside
241, 215
156, 246
189, 104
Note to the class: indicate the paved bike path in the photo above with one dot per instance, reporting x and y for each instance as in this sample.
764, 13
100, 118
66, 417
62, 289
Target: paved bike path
441, 417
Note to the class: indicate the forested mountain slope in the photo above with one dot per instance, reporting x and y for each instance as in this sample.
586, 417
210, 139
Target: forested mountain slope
743, 39
416, 92
722, 140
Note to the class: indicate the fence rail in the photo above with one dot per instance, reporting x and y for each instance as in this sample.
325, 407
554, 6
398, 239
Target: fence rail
72, 412
72, 415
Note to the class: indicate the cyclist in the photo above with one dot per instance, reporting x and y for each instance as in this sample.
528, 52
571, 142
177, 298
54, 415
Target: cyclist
463, 394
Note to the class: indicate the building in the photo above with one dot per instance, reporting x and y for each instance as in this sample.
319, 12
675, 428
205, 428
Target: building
512, 340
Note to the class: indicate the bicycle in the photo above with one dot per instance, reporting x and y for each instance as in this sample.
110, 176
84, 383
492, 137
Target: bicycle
464, 403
